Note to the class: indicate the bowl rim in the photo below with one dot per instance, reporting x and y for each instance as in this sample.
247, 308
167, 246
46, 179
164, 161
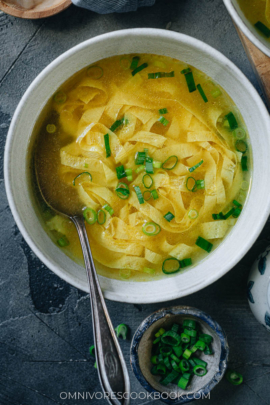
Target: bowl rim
34, 14
180, 310
244, 28
118, 35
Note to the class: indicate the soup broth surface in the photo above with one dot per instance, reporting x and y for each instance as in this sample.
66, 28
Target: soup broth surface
162, 166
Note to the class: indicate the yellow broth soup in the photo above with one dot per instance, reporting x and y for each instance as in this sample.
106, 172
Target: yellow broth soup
258, 14
156, 157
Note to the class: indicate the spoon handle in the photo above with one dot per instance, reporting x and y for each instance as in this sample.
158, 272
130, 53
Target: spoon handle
112, 369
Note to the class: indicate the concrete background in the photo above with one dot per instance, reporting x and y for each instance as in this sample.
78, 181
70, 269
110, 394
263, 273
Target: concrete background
45, 324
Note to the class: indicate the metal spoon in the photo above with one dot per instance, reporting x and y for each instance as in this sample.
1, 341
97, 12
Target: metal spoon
112, 370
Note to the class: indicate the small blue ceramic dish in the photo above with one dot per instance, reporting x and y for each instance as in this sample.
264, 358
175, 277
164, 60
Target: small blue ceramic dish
141, 348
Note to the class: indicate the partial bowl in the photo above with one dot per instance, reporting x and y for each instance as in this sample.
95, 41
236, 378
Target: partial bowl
193, 52
246, 27
42, 10
141, 347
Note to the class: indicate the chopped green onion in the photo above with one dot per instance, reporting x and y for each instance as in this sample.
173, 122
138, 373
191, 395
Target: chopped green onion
202, 93
134, 62
263, 29
187, 353
171, 338
185, 338
204, 244
87, 173
200, 345
129, 174
170, 266
151, 229
154, 359
130, 178
170, 163
237, 204
193, 214
216, 92
149, 165
122, 190
245, 185
241, 146
167, 363
165, 350
169, 378
206, 338
239, 133
160, 332
63, 241
108, 208
101, 217
163, 121
139, 68
199, 370
190, 332
182, 383
86, 165
147, 181
159, 75
154, 194
117, 124
124, 274
90, 216
244, 164
190, 183
147, 195
237, 212
189, 79
149, 270
107, 145
50, 128
208, 350
229, 213
140, 158
234, 378
189, 323
60, 97
200, 185
139, 194
140, 169
120, 172
125, 62
232, 121
161, 369
178, 350
169, 216
185, 263
94, 72
163, 111
92, 350
122, 331
184, 365
156, 164
191, 169
175, 327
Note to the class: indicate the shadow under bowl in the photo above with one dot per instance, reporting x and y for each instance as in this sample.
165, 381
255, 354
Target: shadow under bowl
141, 348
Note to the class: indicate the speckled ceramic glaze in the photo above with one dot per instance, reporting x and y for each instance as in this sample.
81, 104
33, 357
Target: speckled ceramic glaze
258, 289
141, 354
246, 27
195, 53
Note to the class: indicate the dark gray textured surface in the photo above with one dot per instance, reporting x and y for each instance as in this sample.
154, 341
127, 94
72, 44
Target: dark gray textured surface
45, 324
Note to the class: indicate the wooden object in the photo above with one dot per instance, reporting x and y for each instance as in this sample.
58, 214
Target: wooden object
34, 13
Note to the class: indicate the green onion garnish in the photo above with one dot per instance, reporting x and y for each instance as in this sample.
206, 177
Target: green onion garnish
159, 75
60, 97
190, 183
237, 204
185, 262
163, 111
151, 229
139, 68
202, 93
234, 378
149, 270
191, 169
147, 181
92, 351
237, 211
263, 29
204, 244
147, 195
163, 121
216, 92
244, 163
199, 370
117, 124
140, 158
86, 165
200, 185
107, 145
189, 79
228, 214
182, 383
193, 214
170, 163
122, 331
149, 165
129, 174
139, 194
239, 133
120, 172
101, 217
170, 266
169, 216
122, 190
94, 72
154, 194
140, 169
157, 164
90, 216
63, 241
50, 128
125, 62
108, 208
241, 146
232, 121
169, 378
87, 173
134, 63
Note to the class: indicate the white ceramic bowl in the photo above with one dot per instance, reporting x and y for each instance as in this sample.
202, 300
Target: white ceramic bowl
193, 52
248, 29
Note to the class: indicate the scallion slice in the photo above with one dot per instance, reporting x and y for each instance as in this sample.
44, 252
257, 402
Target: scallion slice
60, 97
134, 62
107, 145
170, 163
189, 79
50, 128
204, 244
169, 216
139, 68
63, 241
263, 29
149, 270
193, 214
202, 93
190, 183
149, 165
241, 146
191, 169
185, 263
239, 133
159, 75
169, 378
163, 111
163, 121
154, 194
199, 370
151, 229
234, 378
170, 266
120, 172
216, 92
117, 124
147, 195
101, 217
125, 62
90, 216
157, 164
108, 208
140, 158
140, 169
147, 181
122, 190
237, 204
139, 194
122, 331
232, 121
94, 72
244, 164
79, 175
